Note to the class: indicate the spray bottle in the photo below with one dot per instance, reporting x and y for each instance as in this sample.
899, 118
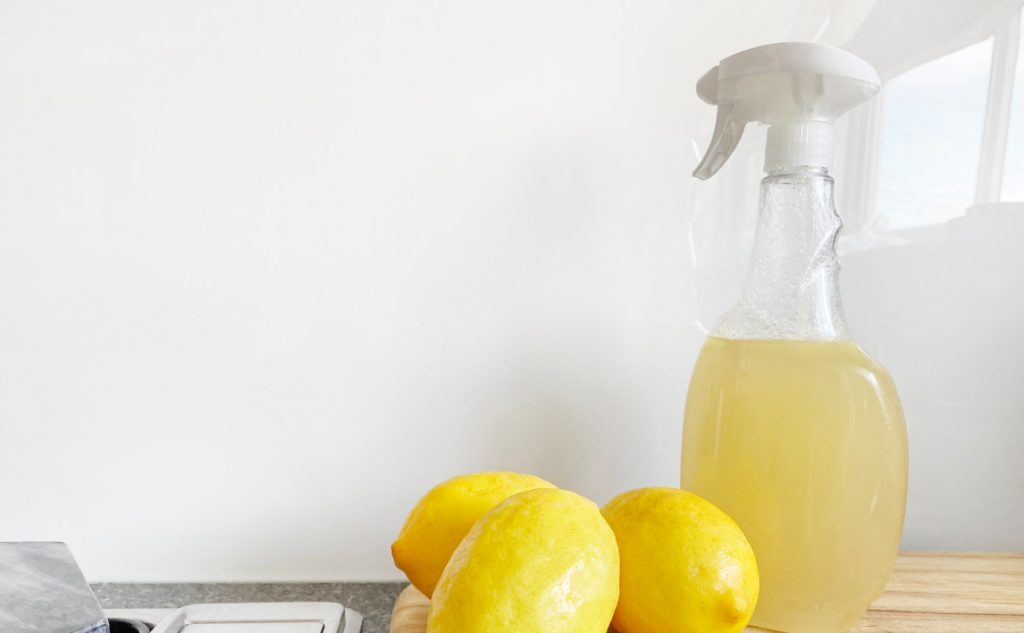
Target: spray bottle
790, 427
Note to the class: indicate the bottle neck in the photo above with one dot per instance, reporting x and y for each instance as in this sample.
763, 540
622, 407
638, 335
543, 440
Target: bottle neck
792, 287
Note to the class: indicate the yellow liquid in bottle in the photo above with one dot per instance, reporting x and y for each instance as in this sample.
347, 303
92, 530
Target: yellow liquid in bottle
803, 444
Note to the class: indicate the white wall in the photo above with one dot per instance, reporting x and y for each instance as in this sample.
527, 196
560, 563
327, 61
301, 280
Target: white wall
268, 271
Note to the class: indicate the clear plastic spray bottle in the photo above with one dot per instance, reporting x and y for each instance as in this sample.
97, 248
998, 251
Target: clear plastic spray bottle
790, 427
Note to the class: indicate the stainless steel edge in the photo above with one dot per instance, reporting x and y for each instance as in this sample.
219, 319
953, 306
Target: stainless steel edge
353, 621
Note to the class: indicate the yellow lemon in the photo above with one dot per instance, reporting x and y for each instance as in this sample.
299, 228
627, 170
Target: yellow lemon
686, 566
442, 518
542, 561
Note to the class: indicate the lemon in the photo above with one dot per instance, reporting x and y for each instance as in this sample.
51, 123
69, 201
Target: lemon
441, 519
542, 561
686, 566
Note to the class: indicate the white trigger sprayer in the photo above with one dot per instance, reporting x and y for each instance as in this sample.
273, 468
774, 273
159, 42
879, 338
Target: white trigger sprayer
797, 88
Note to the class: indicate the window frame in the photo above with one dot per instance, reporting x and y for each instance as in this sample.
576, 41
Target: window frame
861, 134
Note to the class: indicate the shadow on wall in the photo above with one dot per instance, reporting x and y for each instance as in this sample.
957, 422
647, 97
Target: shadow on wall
945, 319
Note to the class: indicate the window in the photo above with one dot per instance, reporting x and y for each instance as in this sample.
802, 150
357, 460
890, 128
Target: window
1013, 170
944, 136
933, 119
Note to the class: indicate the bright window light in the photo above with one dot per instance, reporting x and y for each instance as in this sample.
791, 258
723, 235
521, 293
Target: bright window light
934, 118
1013, 166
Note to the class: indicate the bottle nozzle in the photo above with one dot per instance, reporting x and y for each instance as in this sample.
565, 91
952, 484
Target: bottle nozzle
798, 88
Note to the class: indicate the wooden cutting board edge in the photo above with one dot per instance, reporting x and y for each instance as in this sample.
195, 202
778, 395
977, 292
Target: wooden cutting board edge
928, 592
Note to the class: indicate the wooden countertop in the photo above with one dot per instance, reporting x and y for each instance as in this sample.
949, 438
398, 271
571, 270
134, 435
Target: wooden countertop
928, 592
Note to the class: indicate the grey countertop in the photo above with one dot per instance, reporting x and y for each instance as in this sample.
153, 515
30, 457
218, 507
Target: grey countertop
373, 600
